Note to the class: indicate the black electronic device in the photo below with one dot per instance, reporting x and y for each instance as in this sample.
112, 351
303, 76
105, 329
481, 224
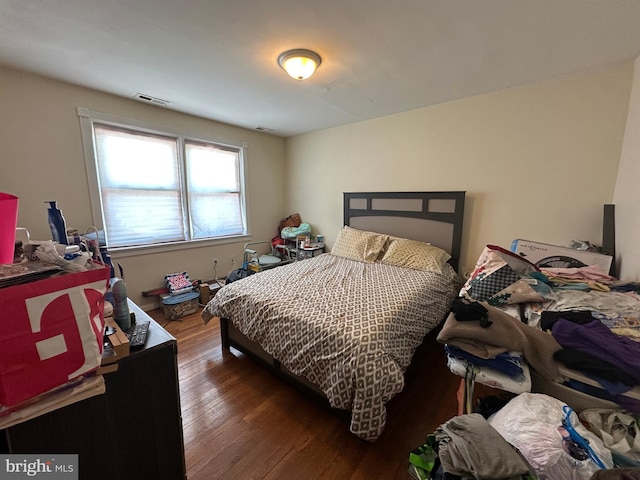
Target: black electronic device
138, 335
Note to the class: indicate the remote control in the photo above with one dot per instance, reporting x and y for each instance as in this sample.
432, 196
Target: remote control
138, 334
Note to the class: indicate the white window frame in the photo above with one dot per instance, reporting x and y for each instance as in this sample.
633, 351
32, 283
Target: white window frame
88, 118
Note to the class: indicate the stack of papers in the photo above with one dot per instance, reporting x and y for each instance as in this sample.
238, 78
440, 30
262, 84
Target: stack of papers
18, 273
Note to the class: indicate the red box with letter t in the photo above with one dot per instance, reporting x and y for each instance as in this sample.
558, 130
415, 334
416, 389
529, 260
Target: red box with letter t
50, 332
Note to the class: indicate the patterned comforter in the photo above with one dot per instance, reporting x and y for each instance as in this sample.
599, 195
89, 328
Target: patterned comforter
349, 327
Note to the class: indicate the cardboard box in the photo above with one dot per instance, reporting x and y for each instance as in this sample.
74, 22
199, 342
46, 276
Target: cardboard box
116, 343
553, 256
119, 343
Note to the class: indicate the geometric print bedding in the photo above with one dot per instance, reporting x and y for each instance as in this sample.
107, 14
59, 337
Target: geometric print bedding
349, 327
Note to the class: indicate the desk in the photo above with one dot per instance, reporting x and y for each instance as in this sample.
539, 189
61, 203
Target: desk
133, 431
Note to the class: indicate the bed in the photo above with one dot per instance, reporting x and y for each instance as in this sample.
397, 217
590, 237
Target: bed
345, 325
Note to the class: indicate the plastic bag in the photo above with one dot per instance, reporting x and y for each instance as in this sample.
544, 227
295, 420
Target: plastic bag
423, 459
532, 422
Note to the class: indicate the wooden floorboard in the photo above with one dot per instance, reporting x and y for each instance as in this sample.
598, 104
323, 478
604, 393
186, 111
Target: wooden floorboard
242, 422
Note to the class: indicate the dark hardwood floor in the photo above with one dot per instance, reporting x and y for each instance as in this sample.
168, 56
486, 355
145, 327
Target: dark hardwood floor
242, 422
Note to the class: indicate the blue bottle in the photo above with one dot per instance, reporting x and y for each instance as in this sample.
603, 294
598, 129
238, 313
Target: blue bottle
57, 224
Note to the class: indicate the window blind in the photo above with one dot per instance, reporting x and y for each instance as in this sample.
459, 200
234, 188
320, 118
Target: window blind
161, 189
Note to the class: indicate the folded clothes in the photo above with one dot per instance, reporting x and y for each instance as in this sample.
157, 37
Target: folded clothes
508, 363
588, 272
548, 318
469, 445
506, 334
593, 366
596, 339
491, 377
628, 403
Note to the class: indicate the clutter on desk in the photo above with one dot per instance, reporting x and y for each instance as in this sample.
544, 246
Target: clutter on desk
17, 273
52, 300
67, 247
36, 260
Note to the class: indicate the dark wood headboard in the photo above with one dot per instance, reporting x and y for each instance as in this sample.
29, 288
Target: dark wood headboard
609, 235
434, 217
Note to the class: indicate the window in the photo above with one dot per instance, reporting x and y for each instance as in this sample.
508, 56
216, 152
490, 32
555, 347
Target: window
160, 188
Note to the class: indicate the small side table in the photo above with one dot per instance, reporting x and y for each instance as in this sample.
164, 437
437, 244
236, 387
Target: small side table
293, 253
311, 251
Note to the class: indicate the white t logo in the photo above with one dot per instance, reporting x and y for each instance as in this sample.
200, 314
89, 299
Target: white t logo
56, 345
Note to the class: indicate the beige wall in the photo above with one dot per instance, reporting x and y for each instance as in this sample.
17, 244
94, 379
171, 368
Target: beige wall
538, 162
42, 159
627, 191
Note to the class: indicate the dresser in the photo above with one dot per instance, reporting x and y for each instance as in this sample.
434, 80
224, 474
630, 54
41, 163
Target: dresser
133, 431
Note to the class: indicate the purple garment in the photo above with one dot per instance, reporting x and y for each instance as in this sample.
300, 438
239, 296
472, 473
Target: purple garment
596, 339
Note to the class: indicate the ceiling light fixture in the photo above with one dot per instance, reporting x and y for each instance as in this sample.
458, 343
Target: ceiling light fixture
299, 63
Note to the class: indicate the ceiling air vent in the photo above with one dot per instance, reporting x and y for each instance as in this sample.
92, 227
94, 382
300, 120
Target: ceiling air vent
149, 99
264, 129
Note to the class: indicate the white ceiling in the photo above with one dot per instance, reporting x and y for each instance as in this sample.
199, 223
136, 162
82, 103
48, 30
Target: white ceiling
218, 58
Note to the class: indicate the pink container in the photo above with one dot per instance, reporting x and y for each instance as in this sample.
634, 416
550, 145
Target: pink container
8, 222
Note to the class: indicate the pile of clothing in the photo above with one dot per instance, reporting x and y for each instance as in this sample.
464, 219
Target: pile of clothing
589, 346
485, 334
533, 436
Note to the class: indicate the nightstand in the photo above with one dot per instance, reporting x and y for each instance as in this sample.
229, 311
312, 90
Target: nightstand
293, 253
307, 252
